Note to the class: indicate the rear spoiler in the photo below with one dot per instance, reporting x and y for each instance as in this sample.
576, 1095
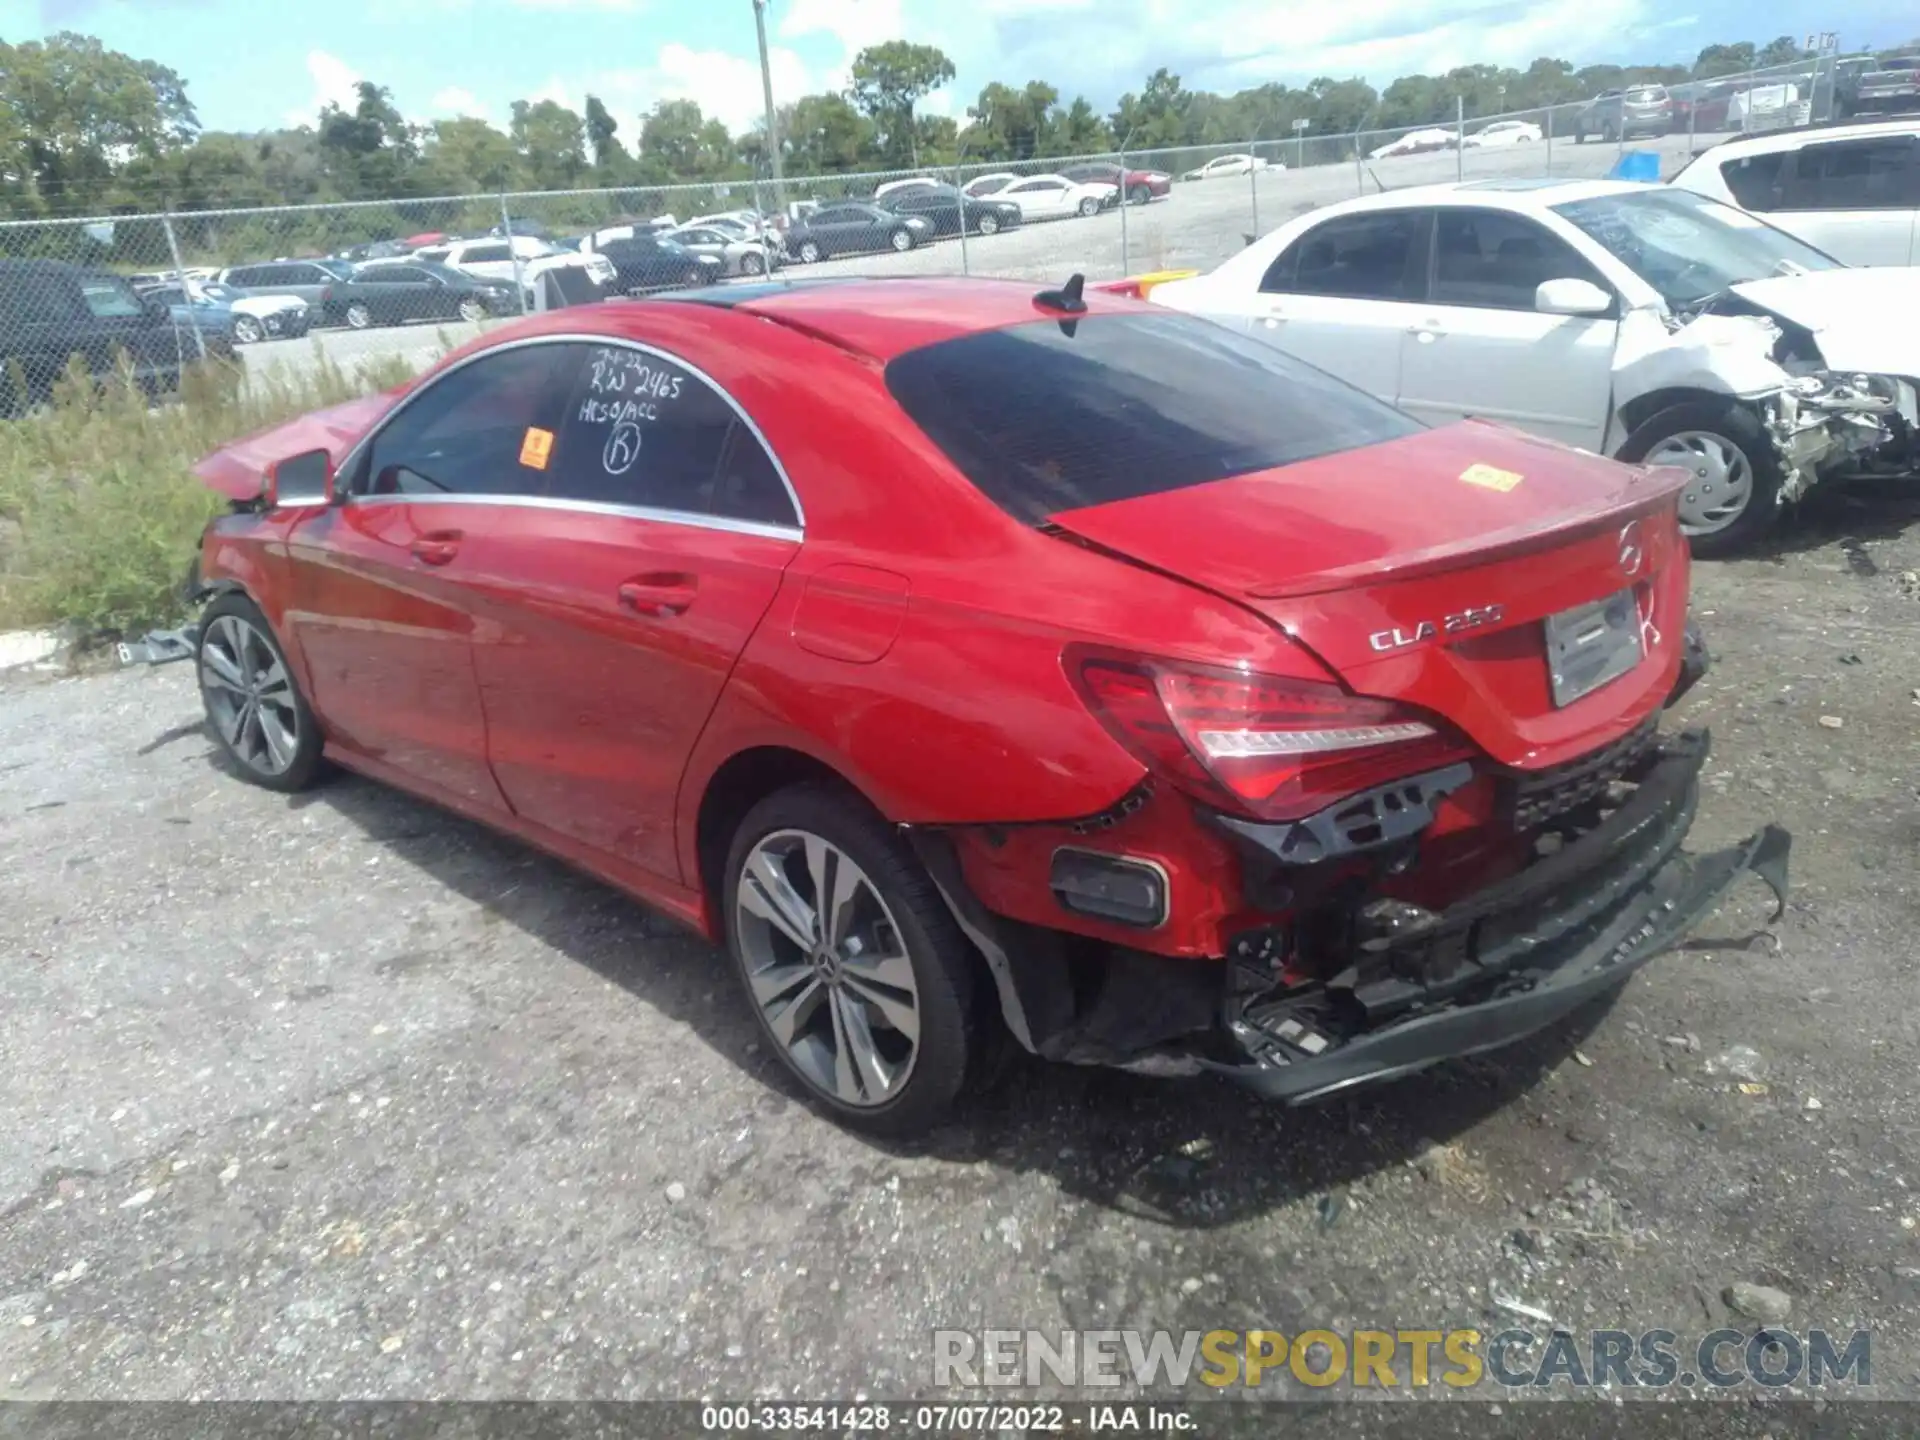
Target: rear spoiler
1137, 287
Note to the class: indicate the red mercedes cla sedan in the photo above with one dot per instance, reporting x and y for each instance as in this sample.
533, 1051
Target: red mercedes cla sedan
969, 660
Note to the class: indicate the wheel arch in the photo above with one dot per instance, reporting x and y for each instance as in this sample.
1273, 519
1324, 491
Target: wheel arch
1631, 414
740, 782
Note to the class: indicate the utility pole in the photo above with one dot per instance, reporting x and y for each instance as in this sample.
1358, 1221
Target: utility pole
766, 94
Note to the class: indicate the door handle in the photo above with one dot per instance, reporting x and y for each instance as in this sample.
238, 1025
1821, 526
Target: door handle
437, 547
658, 595
1426, 331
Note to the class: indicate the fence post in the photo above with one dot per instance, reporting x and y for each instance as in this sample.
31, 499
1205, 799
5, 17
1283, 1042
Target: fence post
1549, 141
1359, 164
1122, 179
519, 276
960, 202
180, 274
1253, 178
1459, 137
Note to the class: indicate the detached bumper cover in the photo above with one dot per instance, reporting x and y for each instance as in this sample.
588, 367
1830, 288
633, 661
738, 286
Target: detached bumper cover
1518, 956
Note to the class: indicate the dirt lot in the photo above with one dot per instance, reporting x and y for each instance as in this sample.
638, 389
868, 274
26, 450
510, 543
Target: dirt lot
341, 1097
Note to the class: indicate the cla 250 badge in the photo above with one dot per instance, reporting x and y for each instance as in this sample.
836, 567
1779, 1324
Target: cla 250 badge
1472, 618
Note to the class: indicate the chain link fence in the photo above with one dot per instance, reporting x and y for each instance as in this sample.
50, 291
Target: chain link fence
156, 293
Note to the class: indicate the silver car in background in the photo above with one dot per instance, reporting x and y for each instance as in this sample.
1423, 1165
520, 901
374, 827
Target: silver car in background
738, 253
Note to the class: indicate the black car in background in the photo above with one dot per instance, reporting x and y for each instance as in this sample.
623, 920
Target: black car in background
645, 261
855, 227
51, 311
393, 292
941, 207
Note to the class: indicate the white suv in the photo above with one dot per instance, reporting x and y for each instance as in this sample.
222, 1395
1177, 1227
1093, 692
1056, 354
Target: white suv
1850, 190
493, 260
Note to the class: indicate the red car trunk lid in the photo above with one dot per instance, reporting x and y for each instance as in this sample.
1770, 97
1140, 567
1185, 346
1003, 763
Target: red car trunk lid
1422, 570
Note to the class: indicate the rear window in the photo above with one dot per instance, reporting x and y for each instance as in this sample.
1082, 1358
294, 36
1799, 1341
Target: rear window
1051, 417
1643, 93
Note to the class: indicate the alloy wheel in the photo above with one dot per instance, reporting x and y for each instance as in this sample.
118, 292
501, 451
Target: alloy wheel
472, 311
249, 696
246, 330
828, 968
358, 316
1721, 483
902, 240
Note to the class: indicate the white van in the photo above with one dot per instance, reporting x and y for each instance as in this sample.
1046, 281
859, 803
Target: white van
1850, 190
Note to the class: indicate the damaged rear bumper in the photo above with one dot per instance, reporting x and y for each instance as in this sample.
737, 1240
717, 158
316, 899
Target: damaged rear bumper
1512, 959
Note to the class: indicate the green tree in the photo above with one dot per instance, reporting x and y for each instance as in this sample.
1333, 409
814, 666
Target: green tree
552, 141
73, 113
1157, 117
1010, 124
1724, 60
367, 152
603, 144
888, 80
824, 134
1781, 50
473, 155
1082, 131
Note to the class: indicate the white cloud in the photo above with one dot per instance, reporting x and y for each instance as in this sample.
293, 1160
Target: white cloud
454, 100
723, 84
334, 83
852, 24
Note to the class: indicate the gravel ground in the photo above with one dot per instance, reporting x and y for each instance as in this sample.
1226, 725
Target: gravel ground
337, 1096
1198, 225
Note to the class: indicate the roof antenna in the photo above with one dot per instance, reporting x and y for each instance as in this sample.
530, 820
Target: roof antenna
1066, 298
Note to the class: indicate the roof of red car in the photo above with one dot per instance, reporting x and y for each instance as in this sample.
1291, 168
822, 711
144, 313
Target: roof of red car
884, 318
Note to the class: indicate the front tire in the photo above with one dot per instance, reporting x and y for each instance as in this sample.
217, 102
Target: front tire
868, 998
989, 225
901, 240
359, 317
1089, 206
1733, 497
247, 330
252, 698
472, 311
752, 265
810, 253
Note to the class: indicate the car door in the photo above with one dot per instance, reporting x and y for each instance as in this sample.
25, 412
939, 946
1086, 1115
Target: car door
1855, 199
119, 322
1044, 198
385, 630
611, 613
411, 293
1343, 296
1480, 348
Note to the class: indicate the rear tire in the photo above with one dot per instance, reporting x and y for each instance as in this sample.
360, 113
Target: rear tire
1727, 451
1140, 195
359, 317
252, 697
877, 1019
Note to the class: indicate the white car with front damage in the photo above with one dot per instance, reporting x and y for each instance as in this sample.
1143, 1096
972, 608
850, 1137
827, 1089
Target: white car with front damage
1637, 321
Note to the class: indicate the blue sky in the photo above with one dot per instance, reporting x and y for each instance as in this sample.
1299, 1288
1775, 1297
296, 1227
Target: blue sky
257, 63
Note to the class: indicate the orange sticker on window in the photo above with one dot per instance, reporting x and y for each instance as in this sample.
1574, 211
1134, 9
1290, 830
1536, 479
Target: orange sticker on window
1489, 478
536, 447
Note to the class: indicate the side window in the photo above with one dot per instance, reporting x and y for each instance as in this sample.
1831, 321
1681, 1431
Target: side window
480, 254
1754, 180
640, 430
246, 275
1876, 174
109, 297
1359, 257
470, 432
276, 275
1495, 261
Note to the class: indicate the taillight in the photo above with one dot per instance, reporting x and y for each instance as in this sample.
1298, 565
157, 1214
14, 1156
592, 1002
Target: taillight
1264, 745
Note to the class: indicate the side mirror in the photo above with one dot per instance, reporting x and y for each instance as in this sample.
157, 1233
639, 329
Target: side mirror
1571, 297
301, 480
